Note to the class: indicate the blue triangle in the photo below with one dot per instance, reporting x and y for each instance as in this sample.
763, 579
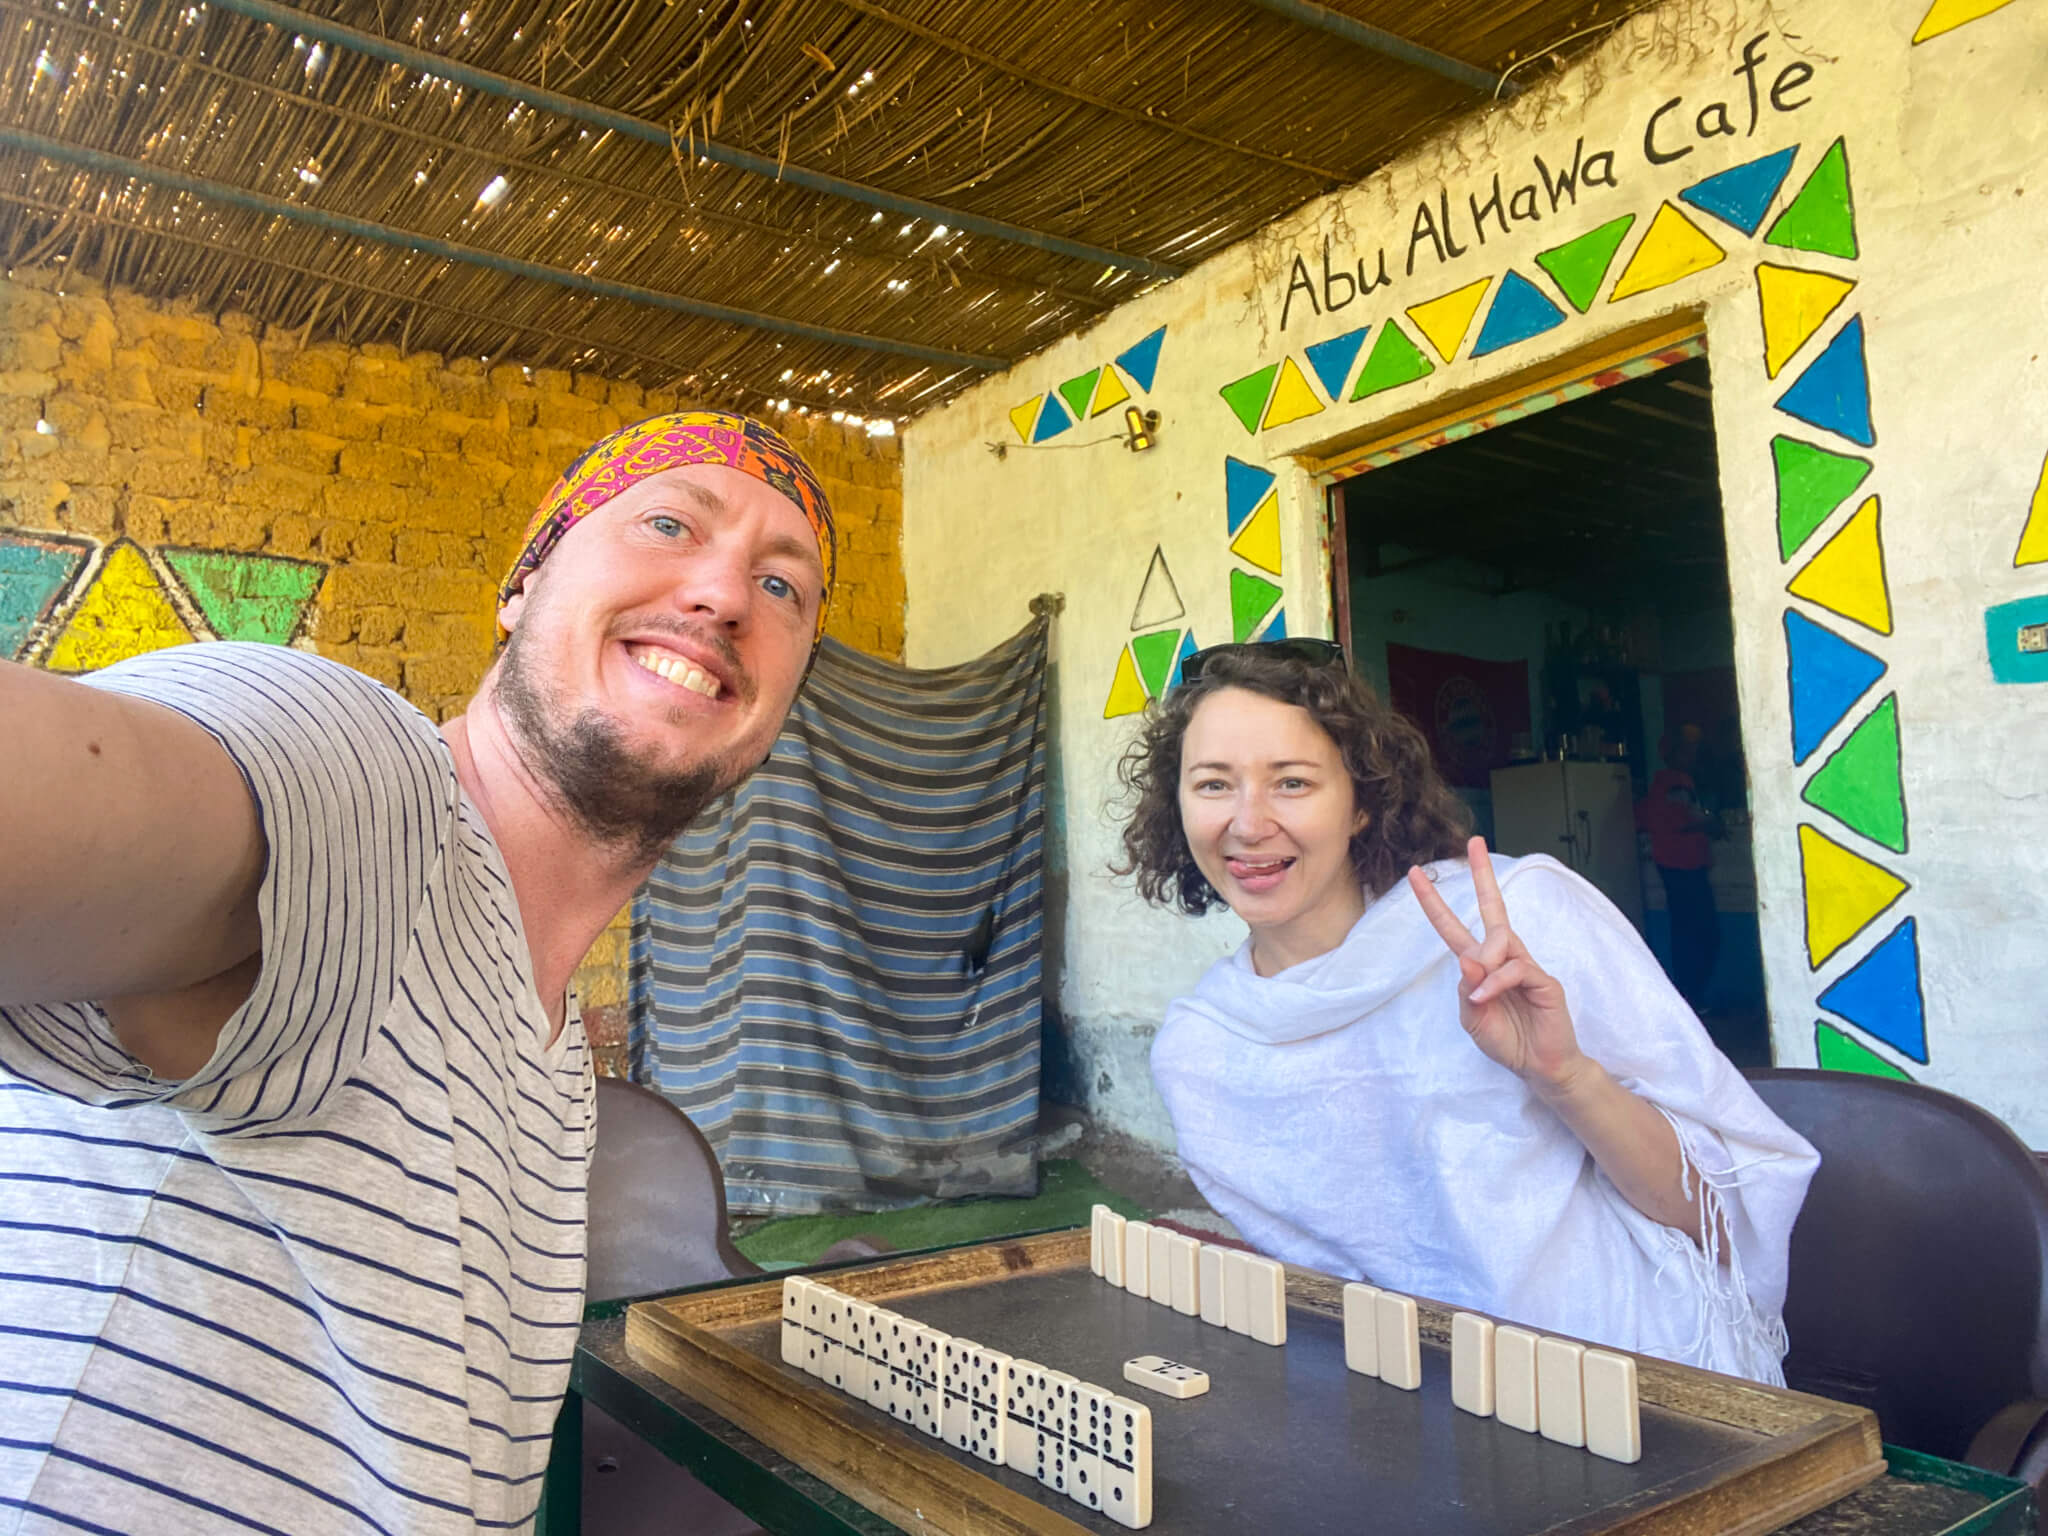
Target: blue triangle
1141, 362
1519, 311
1332, 359
1187, 649
1742, 196
1052, 418
1834, 391
1827, 674
1881, 994
1277, 630
1244, 487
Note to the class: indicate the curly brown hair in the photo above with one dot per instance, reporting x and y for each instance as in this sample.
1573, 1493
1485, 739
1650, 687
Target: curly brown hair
1412, 817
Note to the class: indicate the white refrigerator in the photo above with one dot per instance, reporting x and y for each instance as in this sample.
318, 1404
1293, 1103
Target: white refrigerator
1582, 815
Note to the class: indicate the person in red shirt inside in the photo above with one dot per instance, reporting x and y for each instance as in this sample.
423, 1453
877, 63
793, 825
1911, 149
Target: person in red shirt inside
1671, 814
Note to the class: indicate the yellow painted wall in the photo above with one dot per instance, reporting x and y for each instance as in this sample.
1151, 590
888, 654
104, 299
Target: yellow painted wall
391, 488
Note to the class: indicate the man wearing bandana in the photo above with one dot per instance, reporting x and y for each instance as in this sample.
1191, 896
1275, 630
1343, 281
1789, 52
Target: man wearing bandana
295, 1107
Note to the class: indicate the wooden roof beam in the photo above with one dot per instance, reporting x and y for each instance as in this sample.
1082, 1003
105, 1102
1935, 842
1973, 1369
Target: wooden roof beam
1321, 17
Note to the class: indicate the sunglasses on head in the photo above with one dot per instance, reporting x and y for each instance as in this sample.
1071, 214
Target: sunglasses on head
1316, 653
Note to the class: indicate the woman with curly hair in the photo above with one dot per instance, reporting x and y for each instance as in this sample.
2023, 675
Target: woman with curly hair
1578, 1157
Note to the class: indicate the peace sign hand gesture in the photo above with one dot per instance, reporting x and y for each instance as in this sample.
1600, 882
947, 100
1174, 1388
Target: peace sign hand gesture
1511, 1007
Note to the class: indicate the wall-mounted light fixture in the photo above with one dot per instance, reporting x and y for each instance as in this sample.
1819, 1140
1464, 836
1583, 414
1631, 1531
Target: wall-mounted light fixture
1140, 427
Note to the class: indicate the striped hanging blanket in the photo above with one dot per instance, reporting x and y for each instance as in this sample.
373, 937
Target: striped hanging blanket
836, 969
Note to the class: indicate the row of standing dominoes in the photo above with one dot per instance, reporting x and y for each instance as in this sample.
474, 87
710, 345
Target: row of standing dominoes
1225, 1286
1562, 1389
1077, 1439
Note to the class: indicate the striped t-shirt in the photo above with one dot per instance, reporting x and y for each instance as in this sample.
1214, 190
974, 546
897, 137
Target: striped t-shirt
332, 1281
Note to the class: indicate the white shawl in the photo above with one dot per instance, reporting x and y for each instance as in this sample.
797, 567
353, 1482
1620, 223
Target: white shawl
1339, 1115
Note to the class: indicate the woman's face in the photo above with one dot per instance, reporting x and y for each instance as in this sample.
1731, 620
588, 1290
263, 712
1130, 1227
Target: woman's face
1269, 813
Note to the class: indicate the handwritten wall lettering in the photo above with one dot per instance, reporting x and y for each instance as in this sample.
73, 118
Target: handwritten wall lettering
1663, 141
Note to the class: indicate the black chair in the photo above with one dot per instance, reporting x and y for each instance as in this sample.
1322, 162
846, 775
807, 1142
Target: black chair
1919, 1284
657, 1223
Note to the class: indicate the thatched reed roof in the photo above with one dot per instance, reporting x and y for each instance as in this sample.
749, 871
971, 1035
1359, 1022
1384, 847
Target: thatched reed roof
204, 152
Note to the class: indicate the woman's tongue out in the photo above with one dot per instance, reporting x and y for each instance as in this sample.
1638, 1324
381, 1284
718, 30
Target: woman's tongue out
1258, 875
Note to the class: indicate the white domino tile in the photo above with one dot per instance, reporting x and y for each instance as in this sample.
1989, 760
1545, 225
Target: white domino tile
1237, 1314
1184, 1287
1088, 1427
1514, 1377
1400, 1340
1265, 1294
794, 1291
1167, 1377
1159, 1265
1095, 1240
1127, 1464
1113, 1227
1055, 1400
1362, 1328
1614, 1427
1020, 1407
1472, 1363
1560, 1391
1138, 1257
1209, 1284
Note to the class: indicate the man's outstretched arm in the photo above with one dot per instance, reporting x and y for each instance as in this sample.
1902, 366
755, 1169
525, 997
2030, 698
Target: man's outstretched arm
130, 850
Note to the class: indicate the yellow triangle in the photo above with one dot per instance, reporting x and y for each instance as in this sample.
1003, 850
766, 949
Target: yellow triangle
1446, 318
1844, 891
1947, 15
1292, 398
1672, 248
123, 613
1024, 417
1795, 304
2034, 537
1109, 390
1126, 692
1259, 539
1846, 576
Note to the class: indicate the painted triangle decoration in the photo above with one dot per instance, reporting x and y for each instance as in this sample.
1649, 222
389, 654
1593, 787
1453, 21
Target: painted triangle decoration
247, 597
1834, 391
1259, 540
1187, 649
1812, 482
1445, 319
1845, 893
1838, 1053
1332, 360
1520, 310
1126, 693
1794, 304
1141, 362
1822, 217
1742, 196
2033, 548
1579, 266
1292, 398
1859, 783
1246, 397
1154, 655
1251, 599
36, 572
1825, 675
1846, 574
123, 613
1947, 15
1395, 360
1159, 600
1109, 393
1078, 392
1277, 629
1053, 419
1244, 485
1672, 248
1880, 994
1024, 417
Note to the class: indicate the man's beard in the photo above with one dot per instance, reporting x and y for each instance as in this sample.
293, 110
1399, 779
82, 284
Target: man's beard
615, 796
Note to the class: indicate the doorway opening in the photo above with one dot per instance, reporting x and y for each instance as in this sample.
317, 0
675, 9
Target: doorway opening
1547, 599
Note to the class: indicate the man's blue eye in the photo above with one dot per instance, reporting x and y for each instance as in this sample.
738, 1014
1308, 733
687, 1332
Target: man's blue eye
778, 587
667, 525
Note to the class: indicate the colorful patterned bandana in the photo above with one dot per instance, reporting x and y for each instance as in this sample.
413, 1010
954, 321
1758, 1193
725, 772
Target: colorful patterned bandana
666, 442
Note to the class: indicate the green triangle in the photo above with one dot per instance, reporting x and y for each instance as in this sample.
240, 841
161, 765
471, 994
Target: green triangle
1812, 482
1251, 599
1579, 265
1078, 392
247, 597
1839, 1053
1859, 783
1822, 217
1395, 360
1247, 396
1154, 654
